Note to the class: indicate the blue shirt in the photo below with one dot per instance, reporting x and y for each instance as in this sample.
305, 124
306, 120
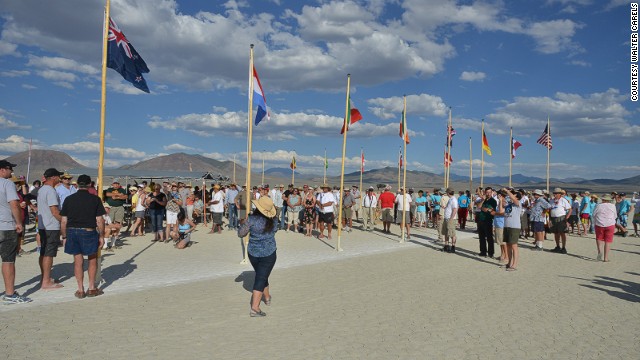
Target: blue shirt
421, 208
585, 207
624, 207
463, 201
261, 244
435, 199
537, 211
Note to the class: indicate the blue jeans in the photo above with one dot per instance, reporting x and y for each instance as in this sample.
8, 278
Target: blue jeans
283, 214
157, 216
233, 216
262, 267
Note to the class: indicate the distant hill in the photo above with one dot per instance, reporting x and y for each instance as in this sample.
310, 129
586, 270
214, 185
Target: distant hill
41, 160
184, 162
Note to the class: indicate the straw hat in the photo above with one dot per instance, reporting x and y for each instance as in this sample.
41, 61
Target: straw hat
265, 206
537, 192
607, 198
557, 191
325, 186
17, 181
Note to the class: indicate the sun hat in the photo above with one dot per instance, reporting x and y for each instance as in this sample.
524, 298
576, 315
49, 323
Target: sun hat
106, 205
17, 180
557, 191
607, 198
66, 176
325, 186
537, 192
265, 206
216, 187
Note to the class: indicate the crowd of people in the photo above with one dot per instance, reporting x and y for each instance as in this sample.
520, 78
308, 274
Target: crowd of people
69, 214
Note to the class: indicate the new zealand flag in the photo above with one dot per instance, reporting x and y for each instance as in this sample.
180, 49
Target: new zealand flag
123, 58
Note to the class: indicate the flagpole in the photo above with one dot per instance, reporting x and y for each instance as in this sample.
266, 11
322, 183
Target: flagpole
470, 167
29, 161
293, 169
245, 260
404, 176
234, 169
361, 169
445, 161
262, 180
103, 111
448, 168
399, 164
548, 149
482, 160
347, 116
324, 178
510, 153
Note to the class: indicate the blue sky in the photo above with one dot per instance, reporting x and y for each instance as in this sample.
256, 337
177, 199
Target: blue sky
508, 62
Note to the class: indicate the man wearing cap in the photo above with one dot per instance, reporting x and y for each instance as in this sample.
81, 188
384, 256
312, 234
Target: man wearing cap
369, 205
485, 223
217, 209
560, 211
10, 227
623, 206
49, 226
347, 206
116, 197
387, 201
83, 226
231, 194
325, 200
65, 189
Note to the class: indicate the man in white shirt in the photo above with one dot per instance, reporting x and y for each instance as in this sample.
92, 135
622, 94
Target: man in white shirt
326, 201
217, 209
276, 196
404, 205
369, 204
358, 200
560, 212
449, 222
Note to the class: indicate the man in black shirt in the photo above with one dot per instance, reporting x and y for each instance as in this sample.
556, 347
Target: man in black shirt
83, 226
485, 223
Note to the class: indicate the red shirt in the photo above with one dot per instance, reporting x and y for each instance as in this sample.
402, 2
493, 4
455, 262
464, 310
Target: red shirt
387, 199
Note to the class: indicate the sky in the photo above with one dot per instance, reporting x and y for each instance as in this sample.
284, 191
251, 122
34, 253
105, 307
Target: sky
507, 62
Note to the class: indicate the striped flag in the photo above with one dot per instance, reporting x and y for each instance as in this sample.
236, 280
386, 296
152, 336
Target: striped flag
447, 160
450, 133
545, 138
293, 163
404, 134
485, 144
515, 144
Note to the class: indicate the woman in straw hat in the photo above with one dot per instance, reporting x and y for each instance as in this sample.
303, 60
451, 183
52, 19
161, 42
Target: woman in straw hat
261, 227
604, 218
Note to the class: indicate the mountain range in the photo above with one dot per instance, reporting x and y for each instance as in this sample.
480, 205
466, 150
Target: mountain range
182, 165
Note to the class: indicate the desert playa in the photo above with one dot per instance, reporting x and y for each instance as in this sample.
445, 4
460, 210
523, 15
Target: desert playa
377, 299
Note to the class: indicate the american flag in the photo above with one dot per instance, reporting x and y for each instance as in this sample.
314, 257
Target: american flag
545, 138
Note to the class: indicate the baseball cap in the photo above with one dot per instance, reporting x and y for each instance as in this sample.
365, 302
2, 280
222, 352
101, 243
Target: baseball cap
51, 172
84, 179
6, 164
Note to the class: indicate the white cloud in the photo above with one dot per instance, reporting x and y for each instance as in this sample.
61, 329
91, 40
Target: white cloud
96, 135
84, 147
57, 75
28, 87
16, 143
179, 147
8, 124
472, 76
14, 73
7, 48
595, 118
421, 104
60, 63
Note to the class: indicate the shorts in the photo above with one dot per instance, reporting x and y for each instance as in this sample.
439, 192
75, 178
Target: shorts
605, 233
622, 220
524, 221
8, 246
81, 242
140, 214
511, 235
498, 235
558, 224
216, 218
49, 242
538, 226
326, 218
292, 216
172, 217
117, 214
387, 215
347, 213
585, 216
636, 218
573, 219
449, 227
407, 217
185, 238
435, 212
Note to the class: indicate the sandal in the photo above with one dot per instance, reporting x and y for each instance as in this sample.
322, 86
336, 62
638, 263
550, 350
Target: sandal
258, 313
512, 269
94, 292
80, 294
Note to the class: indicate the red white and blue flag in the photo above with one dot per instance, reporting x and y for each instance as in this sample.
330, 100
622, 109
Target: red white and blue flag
515, 144
259, 99
123, 58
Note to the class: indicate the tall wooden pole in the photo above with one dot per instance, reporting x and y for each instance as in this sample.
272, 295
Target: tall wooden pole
293, 169
482, 159
448, 168
344, 153
404, 176
361, 170
399, 166
234, 169
245, 260
324, 165
262, 180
